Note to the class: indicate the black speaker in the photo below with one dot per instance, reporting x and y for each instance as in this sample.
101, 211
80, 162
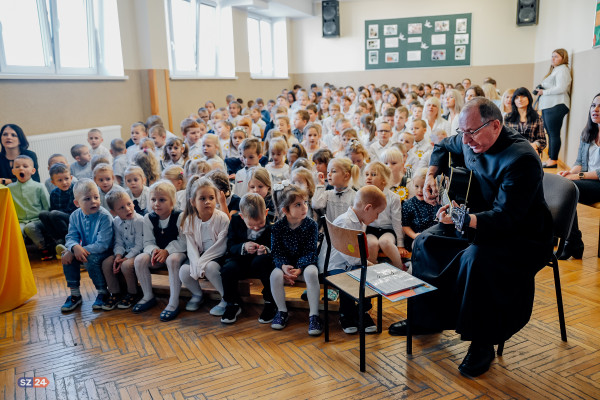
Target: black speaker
331, 18
527, 12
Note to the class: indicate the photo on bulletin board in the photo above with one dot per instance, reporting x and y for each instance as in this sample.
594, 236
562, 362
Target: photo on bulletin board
391, 42
414, 39
461, 25
392, 57
413, 55
438, 55
462, 38
460, 52
442, 26
373, 31
373, 44
438, 40
415, 29
389, 30
373, 57
597, 25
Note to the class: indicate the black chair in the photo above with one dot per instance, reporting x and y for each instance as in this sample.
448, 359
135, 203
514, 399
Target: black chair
561, 195
352, 243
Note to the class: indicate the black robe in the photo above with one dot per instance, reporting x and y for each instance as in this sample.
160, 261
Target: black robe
486, 282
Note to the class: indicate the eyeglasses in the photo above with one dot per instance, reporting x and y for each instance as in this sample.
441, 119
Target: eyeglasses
474, 133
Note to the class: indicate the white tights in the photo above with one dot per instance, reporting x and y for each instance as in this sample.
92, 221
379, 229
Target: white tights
143, 265
311, 277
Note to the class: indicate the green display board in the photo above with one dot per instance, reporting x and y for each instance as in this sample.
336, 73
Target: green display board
434, 41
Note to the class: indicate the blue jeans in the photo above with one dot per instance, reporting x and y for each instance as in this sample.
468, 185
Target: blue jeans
94, 268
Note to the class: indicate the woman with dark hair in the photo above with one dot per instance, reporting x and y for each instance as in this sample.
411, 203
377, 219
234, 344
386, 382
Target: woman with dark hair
395, 98
555, 101
586, 175
525, 120
291, 97
14, 144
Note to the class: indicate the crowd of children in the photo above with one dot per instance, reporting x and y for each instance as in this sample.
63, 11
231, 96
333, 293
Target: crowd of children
238, 195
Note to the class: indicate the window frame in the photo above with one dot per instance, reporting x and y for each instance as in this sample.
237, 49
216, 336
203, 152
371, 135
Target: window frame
50, 41
271, 22
176, 73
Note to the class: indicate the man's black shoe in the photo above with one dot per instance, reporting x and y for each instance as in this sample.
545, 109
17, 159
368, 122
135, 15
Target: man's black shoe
478, 360
399, 329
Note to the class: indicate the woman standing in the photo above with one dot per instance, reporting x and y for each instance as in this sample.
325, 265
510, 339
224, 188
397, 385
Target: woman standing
586, 175
525, 120
555, 101
14, 144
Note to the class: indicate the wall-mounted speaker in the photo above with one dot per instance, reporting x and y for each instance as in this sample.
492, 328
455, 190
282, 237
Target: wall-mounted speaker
528, 12
331, 18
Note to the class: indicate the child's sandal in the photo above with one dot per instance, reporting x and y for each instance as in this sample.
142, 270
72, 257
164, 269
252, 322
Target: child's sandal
127, 301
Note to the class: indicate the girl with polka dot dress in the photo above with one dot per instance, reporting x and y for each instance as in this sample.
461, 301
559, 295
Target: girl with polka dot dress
417, 215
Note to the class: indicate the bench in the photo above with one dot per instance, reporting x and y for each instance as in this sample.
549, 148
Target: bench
250, 290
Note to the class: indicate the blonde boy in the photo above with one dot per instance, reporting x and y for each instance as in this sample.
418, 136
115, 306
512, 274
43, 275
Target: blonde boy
104, 177
88, 242
369, 202
251, 151
95, 140
30, 198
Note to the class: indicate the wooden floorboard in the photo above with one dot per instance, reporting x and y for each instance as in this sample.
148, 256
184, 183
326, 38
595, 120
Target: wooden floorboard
121, 355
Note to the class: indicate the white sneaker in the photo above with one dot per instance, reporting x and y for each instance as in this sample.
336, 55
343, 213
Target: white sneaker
194, 303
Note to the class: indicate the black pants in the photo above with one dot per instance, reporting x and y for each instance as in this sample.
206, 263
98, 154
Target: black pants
553, 120
243, 267
589, 193
485, 292
56, 224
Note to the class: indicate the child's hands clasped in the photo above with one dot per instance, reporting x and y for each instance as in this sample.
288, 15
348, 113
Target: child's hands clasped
290, 274
251, 247
117, 263
261, 250
159, 256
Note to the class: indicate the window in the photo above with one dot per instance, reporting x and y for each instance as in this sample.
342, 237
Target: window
200, 39
267, 47
60, 37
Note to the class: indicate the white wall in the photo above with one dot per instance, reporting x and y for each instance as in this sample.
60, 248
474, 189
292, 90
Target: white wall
494, 30
569, 25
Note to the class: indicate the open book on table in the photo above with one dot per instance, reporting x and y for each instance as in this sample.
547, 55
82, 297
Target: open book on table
392, 282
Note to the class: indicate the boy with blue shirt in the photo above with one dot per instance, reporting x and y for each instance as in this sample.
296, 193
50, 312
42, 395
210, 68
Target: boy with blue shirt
89, 242
56, 220
30, 198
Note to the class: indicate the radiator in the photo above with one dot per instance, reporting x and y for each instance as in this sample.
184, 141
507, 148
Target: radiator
46, 144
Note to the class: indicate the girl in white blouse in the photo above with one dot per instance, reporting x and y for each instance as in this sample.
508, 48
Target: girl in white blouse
385, 232
205, 230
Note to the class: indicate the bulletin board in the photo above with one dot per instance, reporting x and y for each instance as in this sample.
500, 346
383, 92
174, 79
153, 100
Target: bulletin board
434, 41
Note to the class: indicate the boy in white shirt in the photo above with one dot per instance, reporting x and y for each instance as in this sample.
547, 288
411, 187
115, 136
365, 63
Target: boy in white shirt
95, 140
369, 202
383, 142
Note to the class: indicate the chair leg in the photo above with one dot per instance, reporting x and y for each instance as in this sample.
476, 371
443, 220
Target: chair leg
361, 331
379, 315
408, 330
326, 310
500, 349
559, 301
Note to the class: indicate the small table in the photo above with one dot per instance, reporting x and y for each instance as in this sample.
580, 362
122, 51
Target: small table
16, 279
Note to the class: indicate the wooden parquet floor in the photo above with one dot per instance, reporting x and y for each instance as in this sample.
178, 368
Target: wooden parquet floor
121, 355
